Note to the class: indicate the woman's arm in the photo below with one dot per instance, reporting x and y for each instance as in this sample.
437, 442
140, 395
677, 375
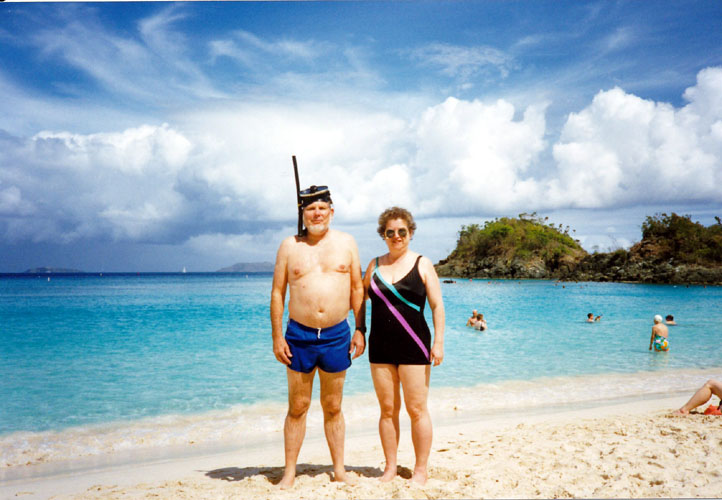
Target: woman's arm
436, 302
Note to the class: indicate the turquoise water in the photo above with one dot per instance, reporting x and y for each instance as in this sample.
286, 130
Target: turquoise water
83, 351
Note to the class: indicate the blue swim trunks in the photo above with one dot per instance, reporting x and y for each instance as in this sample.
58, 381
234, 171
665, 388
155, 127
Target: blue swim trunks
327, 348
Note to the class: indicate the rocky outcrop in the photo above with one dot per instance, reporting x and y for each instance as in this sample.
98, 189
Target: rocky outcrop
640, 264
601, 267
495, 268
596, 267
673, 250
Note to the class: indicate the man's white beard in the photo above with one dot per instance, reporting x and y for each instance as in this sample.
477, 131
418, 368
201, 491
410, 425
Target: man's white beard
317, 229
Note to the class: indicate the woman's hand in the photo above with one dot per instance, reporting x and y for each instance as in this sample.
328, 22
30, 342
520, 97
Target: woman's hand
437, 354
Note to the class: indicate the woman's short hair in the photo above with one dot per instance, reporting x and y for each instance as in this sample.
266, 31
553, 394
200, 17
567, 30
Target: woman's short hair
395, 213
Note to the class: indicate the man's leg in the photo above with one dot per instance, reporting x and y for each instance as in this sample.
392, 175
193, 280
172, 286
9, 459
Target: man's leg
300, 386
386, 383
333, 422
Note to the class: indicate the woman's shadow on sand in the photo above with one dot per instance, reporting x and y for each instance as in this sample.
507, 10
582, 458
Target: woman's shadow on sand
274, 474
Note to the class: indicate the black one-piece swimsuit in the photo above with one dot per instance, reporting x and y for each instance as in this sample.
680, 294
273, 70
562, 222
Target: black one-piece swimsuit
399, 333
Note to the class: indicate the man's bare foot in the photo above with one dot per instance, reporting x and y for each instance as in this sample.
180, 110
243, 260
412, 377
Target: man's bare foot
419, 477
286, 481
389, 474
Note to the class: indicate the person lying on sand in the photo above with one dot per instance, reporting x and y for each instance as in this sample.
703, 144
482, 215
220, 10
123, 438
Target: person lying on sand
703, 395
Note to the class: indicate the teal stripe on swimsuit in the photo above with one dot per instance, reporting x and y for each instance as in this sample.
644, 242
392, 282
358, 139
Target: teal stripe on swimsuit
393, 289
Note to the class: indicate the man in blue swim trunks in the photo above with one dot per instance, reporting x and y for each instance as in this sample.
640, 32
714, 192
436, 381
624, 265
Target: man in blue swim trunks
322, 272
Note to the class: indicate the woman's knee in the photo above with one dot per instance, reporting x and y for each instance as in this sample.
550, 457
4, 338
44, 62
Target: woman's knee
416, 409
390, 409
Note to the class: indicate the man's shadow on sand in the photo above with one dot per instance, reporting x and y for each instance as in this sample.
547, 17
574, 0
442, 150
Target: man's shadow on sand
274, 474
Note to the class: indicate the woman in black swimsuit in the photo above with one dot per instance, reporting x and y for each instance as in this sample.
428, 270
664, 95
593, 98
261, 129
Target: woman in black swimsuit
400, 349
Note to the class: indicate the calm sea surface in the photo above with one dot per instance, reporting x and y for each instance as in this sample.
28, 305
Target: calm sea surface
162, 354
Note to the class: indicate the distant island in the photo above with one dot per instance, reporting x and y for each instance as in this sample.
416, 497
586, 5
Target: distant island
673, 249
248, 267
52, 270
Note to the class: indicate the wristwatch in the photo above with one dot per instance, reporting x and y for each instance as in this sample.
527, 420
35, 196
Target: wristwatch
361, 328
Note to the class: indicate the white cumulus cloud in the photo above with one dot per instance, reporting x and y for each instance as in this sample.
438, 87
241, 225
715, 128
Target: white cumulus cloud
226, 169
623, 150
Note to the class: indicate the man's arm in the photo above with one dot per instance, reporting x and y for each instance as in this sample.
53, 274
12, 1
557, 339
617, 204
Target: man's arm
358, 340
278, 299
651, 339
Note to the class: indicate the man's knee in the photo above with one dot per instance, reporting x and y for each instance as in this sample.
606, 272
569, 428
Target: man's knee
331, 405
298, 406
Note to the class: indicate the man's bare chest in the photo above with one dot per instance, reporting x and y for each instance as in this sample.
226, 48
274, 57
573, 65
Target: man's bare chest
313, 261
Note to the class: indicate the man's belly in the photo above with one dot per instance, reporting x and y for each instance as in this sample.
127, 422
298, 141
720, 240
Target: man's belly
320, 301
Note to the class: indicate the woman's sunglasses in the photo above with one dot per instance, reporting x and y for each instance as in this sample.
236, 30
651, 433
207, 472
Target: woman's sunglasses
402, 233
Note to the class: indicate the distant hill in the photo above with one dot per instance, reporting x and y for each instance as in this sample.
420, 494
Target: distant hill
52, 270
524, 247
248, 267
673, 250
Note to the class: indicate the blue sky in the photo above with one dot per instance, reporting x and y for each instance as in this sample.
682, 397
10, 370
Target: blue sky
153, 136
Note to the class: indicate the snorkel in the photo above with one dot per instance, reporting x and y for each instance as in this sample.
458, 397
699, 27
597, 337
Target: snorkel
307, 197
301, 231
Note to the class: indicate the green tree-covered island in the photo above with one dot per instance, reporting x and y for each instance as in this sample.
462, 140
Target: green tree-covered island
673, 249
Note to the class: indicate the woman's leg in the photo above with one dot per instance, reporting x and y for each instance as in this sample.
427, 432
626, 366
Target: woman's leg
415, 382
702, 395
386, 383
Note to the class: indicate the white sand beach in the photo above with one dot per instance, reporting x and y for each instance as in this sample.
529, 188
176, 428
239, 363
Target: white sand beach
638, 450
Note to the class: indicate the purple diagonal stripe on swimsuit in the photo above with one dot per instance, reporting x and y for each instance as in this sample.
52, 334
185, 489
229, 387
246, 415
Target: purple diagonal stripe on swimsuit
398, 316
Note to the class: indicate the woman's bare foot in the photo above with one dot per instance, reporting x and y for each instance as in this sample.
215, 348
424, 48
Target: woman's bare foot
287, 481
419, 477
682, 411
389, 474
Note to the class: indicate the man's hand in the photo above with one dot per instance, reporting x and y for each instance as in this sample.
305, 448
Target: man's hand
282, 351
358, 344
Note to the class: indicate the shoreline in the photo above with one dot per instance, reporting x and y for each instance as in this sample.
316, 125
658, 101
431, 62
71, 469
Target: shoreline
77, 449
464, 453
